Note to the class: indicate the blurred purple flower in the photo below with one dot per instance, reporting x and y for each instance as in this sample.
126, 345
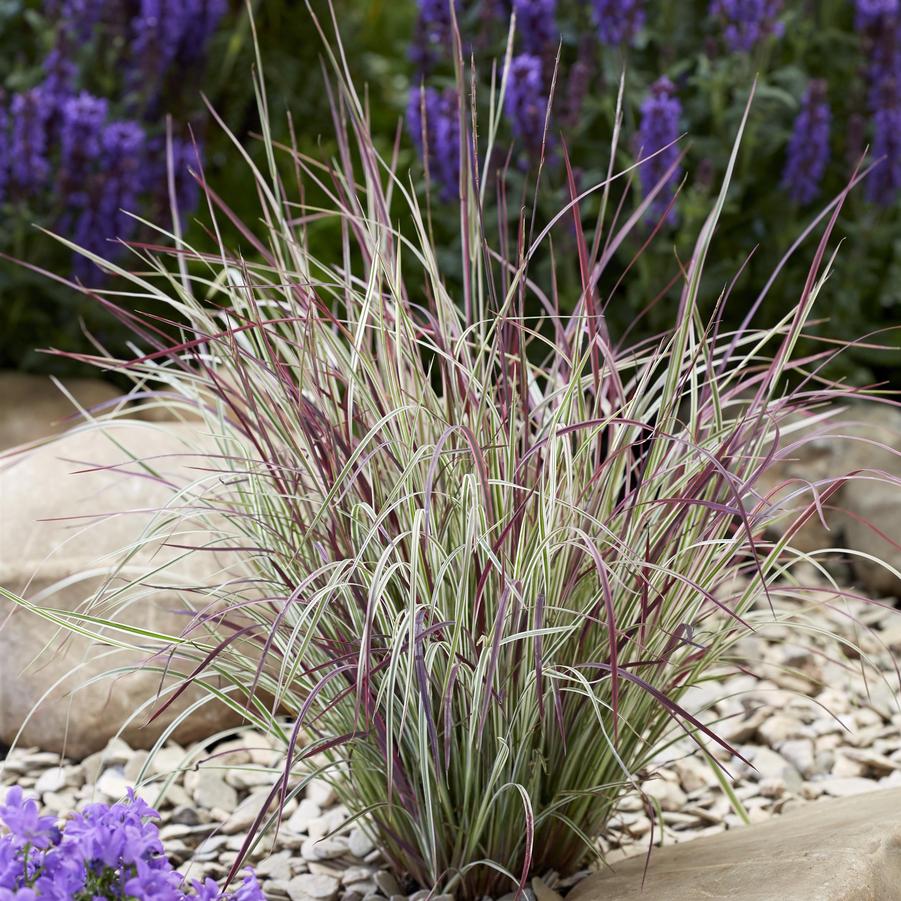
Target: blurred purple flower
440, 127
880, 23
186, 158
422, 108
123, 151
536, 24
659, 129
30, 112
157, 31
433, 34
201, 19
618, 21
577, 86
83, 118
808, 149
884, 181
60, 75
525, 103
4, 168
435, 16
747, 22
871, 13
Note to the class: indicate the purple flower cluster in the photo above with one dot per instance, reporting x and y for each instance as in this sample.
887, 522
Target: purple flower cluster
433, 119
525, 103
746, 23
62, 152
200, 20
536, 23
659, 129
618, 21
808, 149
105, 853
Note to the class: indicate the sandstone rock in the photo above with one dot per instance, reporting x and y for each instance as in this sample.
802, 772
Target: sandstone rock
59, 562
846, 850
863, 441
32, 407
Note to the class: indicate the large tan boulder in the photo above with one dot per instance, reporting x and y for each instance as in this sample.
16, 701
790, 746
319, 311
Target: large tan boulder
60, 562
864, 514
871, 520
845, 850
33, 407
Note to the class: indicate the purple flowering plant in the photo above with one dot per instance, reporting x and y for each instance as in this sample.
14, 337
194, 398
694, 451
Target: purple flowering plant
94, 98
828, 91
103, 853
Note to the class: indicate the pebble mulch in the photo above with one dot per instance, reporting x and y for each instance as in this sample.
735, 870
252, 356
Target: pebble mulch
817, 718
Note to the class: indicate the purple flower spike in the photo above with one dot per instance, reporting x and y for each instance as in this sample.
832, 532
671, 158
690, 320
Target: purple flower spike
747, 22
536, 23
525, 103
201, 19
60, 75
30, 113
618, 21
123, 158
884, 182
660, 114
83, 118
808, 150
441, 130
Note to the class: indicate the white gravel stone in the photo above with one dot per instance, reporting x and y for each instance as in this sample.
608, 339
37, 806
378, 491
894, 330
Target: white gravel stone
308, 886
668, 794
306, 813
51, 780
359, 843
320, 792
843, 788
211, 791
323, 848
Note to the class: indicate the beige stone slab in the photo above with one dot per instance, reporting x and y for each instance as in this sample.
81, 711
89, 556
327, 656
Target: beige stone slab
844, 850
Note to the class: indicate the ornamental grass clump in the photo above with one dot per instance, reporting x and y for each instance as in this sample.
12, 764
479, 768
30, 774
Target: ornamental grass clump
490, 545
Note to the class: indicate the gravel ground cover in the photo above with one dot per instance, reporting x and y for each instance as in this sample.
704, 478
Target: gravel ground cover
817, 713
